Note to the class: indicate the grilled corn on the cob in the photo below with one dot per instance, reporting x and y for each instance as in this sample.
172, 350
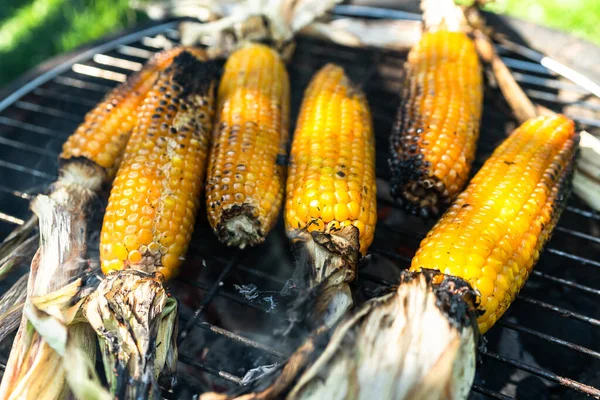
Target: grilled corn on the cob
152, 206
433, 141
246, 169
148, 224
493, 234
331, 204
103, 135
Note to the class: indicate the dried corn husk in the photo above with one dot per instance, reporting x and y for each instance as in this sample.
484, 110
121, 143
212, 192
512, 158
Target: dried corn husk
398, 35
421, 351
131, 330
18, 246
11, 307
50, 324
586, 182
273, 21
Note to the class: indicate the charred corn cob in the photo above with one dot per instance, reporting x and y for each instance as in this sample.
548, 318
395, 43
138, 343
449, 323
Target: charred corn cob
433, 141
98, 142
103, 135
147, 227
493, 234
246, 170
331, 192
152, 206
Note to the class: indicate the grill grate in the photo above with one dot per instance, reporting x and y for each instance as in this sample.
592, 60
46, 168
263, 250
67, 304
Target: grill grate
549, 334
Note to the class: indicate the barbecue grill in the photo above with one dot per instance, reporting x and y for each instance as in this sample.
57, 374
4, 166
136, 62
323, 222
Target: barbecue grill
232, 316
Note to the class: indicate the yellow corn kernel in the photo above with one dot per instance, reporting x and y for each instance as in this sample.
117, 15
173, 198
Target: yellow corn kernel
249, 142
104, 133
510, 208
177, 111
433, 141
324, 185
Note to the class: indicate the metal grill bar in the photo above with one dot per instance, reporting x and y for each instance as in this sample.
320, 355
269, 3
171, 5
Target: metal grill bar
548, 338
81, 84
23, 146
490, 393
47, 110
240, 339
204, 367
51, 94
565, 282
32, 128
563, 312
580, 387
584, 213
29, 171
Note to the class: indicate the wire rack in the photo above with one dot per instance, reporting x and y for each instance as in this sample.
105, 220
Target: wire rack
546, 346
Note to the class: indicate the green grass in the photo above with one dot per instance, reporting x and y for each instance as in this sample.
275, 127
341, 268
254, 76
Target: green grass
31, 31
578, 17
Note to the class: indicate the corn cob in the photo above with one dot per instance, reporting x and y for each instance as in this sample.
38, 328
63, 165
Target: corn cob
148, 224
433, 141
331, 192
103, 135
493, 234
152, 206
98, 142
245, 174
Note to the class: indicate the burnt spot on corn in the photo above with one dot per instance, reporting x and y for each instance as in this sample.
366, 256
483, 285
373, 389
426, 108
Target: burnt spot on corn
153, 203
240, 226
493, 233
433, 140
455, 297
103, 135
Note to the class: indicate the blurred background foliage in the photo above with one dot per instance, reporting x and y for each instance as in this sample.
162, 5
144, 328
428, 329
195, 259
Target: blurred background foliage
31, 31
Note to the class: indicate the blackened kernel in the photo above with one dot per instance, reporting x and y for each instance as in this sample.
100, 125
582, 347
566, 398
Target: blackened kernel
171, 107
162, 103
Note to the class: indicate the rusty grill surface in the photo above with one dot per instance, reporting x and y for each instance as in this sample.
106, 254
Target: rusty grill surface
547, 344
